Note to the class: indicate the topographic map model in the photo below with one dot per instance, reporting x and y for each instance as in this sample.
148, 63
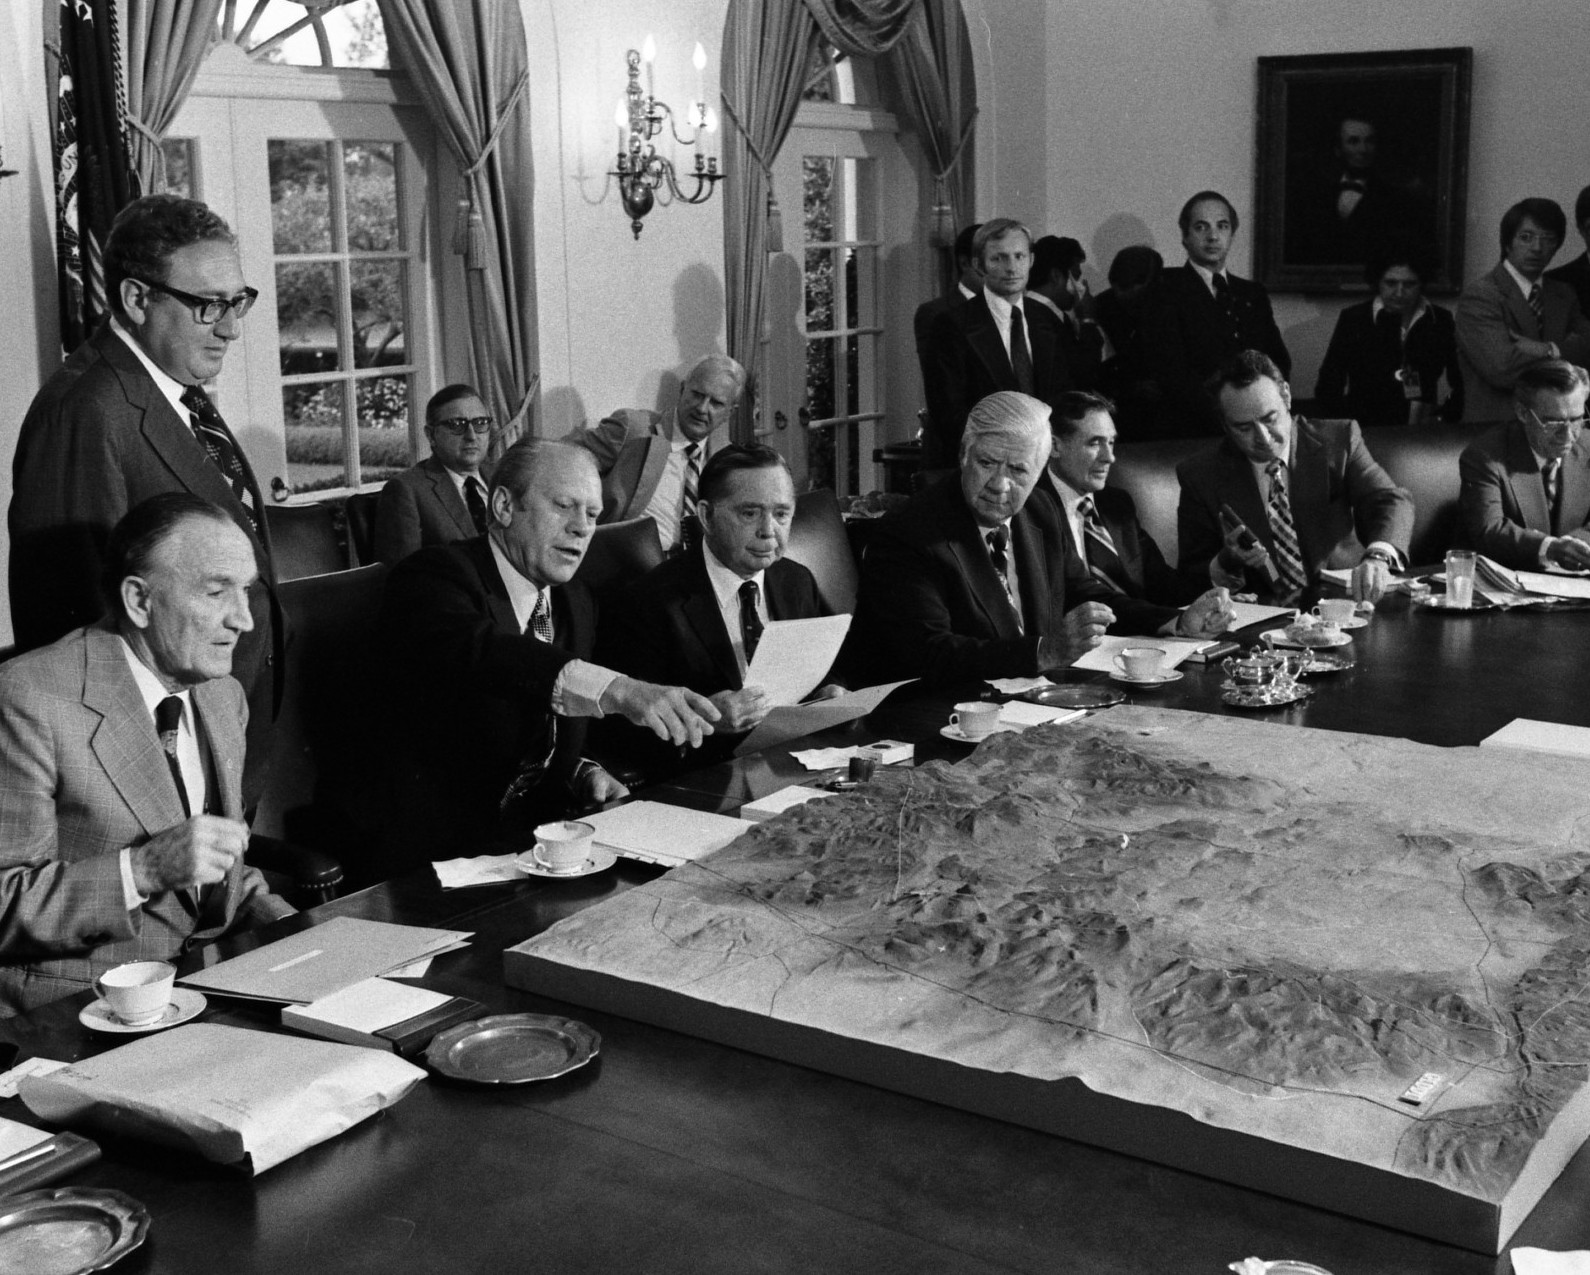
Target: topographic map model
1271, 929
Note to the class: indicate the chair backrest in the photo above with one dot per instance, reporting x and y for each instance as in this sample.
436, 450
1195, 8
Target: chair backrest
304, 540
319, 786
359, 510
1424, 459
620, 552
819, 542
1146, 470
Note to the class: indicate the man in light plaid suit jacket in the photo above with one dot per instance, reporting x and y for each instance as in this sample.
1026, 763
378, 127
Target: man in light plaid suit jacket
117, 844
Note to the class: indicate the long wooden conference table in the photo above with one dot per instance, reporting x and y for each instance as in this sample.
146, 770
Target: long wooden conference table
673, 1154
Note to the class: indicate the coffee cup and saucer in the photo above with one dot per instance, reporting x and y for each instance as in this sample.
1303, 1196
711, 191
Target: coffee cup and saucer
565, 849
972, 722
1143, 666
140, 997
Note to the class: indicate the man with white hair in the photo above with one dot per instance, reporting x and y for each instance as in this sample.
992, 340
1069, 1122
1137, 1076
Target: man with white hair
971, 581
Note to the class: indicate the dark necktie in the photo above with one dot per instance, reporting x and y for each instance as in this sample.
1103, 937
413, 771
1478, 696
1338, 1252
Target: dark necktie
168, 720
1099, 552
998, 539
533, 766
1536, 303
1552, 476
476, 503
750, 622
221, 447
1020, 355
1288, 553
1227, 304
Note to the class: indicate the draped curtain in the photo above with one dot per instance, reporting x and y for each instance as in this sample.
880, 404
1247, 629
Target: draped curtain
933, 67
469, 63
167, 41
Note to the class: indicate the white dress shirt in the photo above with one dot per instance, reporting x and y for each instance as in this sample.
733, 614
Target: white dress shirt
666, 506
170, 388
1208, 276
726, 588
1000, 308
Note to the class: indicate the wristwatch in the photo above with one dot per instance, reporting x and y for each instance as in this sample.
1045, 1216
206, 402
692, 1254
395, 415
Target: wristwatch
1381, 555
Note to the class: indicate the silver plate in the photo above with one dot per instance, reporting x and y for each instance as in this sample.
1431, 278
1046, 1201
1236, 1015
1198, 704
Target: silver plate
513, 1049
68, 1231
1438, 602
1264, 697
1328, 662
1074, 695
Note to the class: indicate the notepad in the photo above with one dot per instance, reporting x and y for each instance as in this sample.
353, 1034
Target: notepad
380, 1014
668, 835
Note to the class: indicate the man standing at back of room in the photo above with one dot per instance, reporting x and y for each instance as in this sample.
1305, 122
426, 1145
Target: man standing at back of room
443, 498
1576, 273
968, 281
126, 418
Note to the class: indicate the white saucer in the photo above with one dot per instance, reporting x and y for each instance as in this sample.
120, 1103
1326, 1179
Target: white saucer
1357, 622
600, 861
185, 1004
953, 732
1175, 675
1279, 637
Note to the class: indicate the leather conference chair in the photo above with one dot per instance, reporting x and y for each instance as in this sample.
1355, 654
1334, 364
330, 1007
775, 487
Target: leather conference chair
620, 552
304, 540
359, 512
819, 542
1424, 459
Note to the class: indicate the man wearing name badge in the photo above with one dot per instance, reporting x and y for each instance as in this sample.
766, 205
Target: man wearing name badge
1512, 316
697, 619
651, 462
971, 579
489, 642
443, 498
1526, 484
1307, 495
121, 760
125, 418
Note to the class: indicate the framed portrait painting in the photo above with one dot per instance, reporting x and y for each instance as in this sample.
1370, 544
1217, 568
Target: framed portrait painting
1359, 151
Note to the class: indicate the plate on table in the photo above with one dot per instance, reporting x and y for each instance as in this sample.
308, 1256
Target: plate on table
69, 1230
513, 1049
600, 861
1281, 638
1073, 695
1440, 602
954, 732
1327, 662
185, 1004
1175, 675
1357, 622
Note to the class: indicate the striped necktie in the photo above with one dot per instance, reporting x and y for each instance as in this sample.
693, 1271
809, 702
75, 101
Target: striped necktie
1552, 476
221, 447
1287, 552
533, 766
997, 540
1099, 552
1537, 303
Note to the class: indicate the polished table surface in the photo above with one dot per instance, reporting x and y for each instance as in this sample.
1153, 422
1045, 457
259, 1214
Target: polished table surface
671, 1153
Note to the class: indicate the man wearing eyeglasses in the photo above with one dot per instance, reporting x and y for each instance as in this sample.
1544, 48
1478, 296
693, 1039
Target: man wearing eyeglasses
443, 498
1526, 484
126, 418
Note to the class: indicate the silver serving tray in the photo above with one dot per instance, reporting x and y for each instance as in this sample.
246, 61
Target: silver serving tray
512, 1049
68, 1230
1073, 695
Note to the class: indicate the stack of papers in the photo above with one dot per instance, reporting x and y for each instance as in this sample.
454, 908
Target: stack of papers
668, 835
1541, 737
1514, 588
794, 720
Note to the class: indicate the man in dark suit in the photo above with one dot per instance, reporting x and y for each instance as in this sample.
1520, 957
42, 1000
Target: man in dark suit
443, 498
1576, 274
1526, 484
121, 760
1200, 315
971, 580
697, 618
1512, 316
491, 640
1058, 285
1307, 493
968, 282
995, 341
126, 418
651, 462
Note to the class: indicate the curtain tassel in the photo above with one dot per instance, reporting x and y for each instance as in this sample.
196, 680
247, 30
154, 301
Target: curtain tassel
941, 234
475, 251
461, 227
775, 225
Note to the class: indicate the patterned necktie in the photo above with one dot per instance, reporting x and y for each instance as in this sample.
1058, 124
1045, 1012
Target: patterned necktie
218, 443
1104, 562
997, 540
533, 767
750, 622
476, 503
1227, 304
1552, 476
1287, 552
692, 478
1536, 303
1020, 355
168, 720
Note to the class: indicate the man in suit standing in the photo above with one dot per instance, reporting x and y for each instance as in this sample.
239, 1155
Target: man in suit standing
1526, 484
968, 281
125, 418
1307, 493
651, 462
1200, 315
1058, 285
443, 498
1512, 316
492, 640
697, 618
121, 760
995, 341
1576, 274
971, 580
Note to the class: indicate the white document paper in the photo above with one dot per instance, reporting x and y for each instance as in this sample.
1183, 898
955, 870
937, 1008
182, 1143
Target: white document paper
483, 869
1252, 613
1541, 737
1019, 715
668, 835
795, 720
1554, 585
1543, 1261
16, 1137
10, 1080
369, 1006
792, 656
1101, 659
1016, 685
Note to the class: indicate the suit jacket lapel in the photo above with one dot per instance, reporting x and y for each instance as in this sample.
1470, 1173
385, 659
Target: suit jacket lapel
964, 538
982, 334
1517, 306
1036, 542
497, 604
700, 609
1576, 487
447, 495
124, 742
1524, 477
1240, 489
1308, 478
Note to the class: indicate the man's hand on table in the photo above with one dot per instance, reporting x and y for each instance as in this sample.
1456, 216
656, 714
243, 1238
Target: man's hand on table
1080, 631
1569, 551
198, 851
674, 713
1209, 615
593, 786
742, 709
1371, 578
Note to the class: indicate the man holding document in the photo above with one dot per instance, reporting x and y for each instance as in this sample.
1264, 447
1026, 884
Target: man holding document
701, 617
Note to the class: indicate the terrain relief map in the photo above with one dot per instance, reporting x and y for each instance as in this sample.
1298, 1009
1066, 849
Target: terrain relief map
1274, 930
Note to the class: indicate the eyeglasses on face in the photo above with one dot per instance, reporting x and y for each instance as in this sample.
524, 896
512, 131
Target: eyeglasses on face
1558, 425
207, 309
461, 425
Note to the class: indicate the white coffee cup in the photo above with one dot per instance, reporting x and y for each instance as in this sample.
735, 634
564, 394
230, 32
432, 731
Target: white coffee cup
1336, 610
975, 719
563, 846
139, 992
1141, 662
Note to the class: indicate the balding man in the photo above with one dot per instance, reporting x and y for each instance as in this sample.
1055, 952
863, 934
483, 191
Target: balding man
651, 462
971, 579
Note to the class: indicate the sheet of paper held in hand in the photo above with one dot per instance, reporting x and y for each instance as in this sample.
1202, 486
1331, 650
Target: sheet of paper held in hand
793, 656
794, 720
666, 835
313, 963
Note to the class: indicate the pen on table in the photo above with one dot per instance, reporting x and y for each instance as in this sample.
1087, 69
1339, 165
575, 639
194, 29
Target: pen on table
32, 1153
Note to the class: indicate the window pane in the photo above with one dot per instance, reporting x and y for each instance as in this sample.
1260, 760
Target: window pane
383, 427
306, 316
313, 415
852, 291
300, 175
353, 33
178, 154
371, 172
378, 312
817, 175
819, 289
820, 378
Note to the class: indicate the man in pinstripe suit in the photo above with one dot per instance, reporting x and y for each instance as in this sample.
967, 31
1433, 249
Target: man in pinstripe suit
121, 760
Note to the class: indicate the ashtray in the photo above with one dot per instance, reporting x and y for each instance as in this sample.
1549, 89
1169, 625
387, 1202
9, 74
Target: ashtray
513, 1049
1073, 695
